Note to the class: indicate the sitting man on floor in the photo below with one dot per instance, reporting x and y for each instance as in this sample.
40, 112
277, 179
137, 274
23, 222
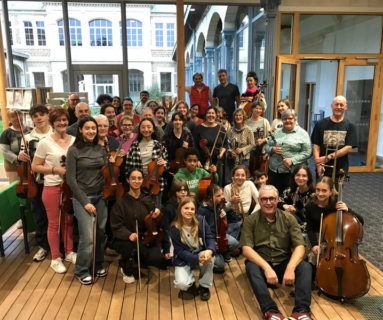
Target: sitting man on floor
267, 239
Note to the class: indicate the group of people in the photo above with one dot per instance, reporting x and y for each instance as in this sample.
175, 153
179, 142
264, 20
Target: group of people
268, 214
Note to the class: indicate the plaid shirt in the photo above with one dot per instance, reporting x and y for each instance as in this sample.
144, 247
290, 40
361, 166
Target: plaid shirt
133, 159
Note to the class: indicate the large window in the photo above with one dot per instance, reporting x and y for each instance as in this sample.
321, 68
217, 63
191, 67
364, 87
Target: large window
170, 34
136, 81
166, 81
101, 33
75, 32
28, 28
39, 79
41, 40
339, 33
133, 33
159, 35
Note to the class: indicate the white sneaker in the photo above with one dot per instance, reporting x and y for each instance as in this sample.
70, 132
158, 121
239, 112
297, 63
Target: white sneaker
71, 257
58, 266
19, 224
40, 255
127, 279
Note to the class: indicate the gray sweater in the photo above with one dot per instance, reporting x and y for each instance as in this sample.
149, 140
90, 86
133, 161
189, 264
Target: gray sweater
83, 172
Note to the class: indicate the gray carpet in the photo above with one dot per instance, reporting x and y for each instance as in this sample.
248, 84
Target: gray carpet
370, 307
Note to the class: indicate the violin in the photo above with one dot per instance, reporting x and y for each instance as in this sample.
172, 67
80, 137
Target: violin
205, 181
246, 102
151, 182
340, 273
115, 154
27, 186
66, 204
154, 232
221, 229
177, 163
113, 189
257, 162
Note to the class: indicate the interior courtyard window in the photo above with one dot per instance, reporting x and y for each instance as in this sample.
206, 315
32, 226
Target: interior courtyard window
159, 35
41, 33
133, 33
170, 35
166, 81
101, 33
29, 41
136, 80
74, 30
39, 78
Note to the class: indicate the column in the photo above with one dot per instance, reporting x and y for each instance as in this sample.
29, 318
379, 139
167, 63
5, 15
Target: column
198, 64
187, 75
257, 62
209, 55
227, 37
271, 10
181, 50
191, 65
3, 85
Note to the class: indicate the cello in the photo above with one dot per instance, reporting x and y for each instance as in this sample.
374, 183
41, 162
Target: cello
205, 181
66, 194
257, 162
221, 229
340, 273
113, 189
151, 182
246, 102
27, 187
154, 232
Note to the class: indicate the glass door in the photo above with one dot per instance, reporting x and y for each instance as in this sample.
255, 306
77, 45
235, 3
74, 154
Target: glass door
356, 84
287, 78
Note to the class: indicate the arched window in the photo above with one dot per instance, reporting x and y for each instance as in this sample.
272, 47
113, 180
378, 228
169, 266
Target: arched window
133, 33
136, 81
74, 31
101, 33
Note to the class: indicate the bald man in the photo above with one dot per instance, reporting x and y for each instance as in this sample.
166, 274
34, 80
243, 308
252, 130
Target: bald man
73, 100
81, 110
330, 131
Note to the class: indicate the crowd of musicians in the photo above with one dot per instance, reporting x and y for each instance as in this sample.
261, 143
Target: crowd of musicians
175, 189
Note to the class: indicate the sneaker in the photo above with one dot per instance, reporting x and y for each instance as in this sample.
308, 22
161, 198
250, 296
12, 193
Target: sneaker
127, 279
273, 316
58, 266
40, 255
228, 259
85, 280
301, 316
71, 257
204, 293
101, 273
19, 224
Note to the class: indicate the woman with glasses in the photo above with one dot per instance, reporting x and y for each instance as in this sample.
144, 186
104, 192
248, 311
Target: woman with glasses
126, 124
127, 106
47, 160
282, 106
242, 199
128, 211
291, 149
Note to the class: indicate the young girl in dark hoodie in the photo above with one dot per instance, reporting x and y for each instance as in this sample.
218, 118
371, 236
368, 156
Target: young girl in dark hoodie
214, 194
194, 245
134, 206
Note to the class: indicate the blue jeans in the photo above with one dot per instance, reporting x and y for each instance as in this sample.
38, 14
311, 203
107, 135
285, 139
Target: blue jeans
230, 164
219, 263
85, 230
234, 223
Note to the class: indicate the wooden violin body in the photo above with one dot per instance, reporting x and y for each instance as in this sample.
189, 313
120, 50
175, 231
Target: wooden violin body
66, 194
151, 182
340, 273
178, 162
153, 231
26, 188
118, 160
112, 189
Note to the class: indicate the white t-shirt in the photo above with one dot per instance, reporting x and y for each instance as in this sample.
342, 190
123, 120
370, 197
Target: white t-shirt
247, 192
146, 151
49, 150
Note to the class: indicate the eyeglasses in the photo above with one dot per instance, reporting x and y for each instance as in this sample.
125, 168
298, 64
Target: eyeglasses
271, 199
182, 190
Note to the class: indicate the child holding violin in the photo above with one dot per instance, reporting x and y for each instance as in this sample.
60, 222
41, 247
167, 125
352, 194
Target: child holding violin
146, 149
194, 246
326, 202
211, 210
134, 206
85, 160
192, 174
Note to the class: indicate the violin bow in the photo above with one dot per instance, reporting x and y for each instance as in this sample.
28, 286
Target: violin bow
320, 237
138, 258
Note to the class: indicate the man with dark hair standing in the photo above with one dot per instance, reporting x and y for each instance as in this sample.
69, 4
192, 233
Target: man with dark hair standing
329, 132
227, 94
73, 100
144, 97
200, 93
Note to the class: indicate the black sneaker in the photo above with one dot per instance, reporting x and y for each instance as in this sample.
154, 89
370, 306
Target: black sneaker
85, 280
204, 293
102, 273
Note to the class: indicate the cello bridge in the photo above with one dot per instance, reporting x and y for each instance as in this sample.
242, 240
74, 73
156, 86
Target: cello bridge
154, 233
339, 256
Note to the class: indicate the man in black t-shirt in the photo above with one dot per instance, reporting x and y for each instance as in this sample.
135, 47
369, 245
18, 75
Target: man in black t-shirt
227, 93
330, 131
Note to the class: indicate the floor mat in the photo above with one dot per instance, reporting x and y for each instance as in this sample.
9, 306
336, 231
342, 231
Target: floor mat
370, 307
